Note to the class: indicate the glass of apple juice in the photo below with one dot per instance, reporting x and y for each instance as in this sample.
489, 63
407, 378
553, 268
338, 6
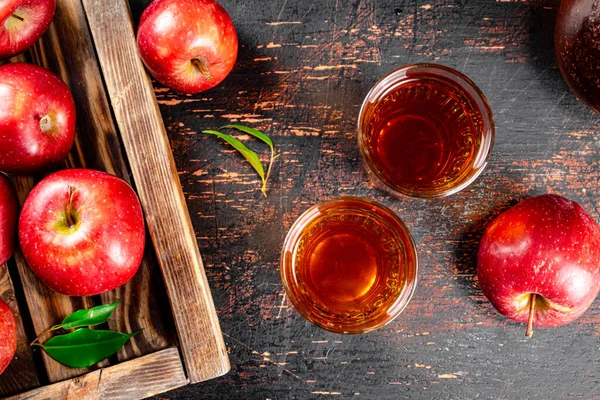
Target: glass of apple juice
425, 130
349, 265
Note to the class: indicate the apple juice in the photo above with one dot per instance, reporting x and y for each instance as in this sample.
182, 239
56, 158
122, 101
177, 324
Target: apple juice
348, 264
425, 130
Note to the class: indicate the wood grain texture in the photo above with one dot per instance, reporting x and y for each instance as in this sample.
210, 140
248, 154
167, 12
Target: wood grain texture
303, 70
151, 162
135, 379
48, 309
21, 374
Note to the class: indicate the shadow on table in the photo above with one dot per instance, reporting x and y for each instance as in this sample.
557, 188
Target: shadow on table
137, 7
509, 191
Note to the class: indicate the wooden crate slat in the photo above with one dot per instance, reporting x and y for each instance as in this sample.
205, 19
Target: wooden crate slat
46, 305
143, 306
149, 153
21, 374
67, 49
135, 379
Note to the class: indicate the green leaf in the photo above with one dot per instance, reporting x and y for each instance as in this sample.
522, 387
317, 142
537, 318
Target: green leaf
243, 149
85, 347
251, 131
93, 316
246, 152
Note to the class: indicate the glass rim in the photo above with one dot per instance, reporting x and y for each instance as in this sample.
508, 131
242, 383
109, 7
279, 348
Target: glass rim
403, 297
396, 78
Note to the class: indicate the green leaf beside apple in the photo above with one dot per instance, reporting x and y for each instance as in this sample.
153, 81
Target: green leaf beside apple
85, 347
93, 316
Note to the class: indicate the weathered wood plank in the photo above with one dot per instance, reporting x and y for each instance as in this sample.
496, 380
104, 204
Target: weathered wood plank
135, 379
144, 306
151, 162
21, 374
48, 308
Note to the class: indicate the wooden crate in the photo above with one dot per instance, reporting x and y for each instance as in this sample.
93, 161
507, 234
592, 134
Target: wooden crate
91, 45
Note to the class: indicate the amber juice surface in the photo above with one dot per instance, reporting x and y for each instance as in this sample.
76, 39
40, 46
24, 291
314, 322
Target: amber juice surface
425, 134
350, 265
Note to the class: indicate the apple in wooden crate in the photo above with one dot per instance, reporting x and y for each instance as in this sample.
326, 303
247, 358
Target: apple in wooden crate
8, 218
82, 232
37, 118
22, 23
8, 335
187, 45
539, 262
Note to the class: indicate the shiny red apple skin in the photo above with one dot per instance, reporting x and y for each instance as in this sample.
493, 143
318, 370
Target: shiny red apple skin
9, 207
547, 245
172, 33
37, 118
102, 251
8, 335
18, 35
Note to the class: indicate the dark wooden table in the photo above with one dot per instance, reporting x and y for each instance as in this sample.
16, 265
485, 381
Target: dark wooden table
302, 72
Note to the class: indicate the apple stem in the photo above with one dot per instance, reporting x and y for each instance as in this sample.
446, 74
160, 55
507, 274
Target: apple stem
201, 66
37, 339
17, 17
273, 158
529, 332
69, 208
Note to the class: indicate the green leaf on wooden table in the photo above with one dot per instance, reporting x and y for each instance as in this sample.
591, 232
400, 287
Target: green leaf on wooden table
246, 152
251, 131
93, 316
257, 134
85, 347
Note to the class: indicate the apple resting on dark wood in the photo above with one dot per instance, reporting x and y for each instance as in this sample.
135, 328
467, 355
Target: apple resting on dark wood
187, 45
539, 262
37, 118
82, 232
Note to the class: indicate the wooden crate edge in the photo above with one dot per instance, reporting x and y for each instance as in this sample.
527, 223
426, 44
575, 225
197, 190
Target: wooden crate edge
139, 378
151, 161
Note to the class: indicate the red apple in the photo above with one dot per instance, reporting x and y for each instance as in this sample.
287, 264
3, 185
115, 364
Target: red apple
37, 118
8, 218
8, 335
576, 34
22, 22
539, 262
187, 45
82, 232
